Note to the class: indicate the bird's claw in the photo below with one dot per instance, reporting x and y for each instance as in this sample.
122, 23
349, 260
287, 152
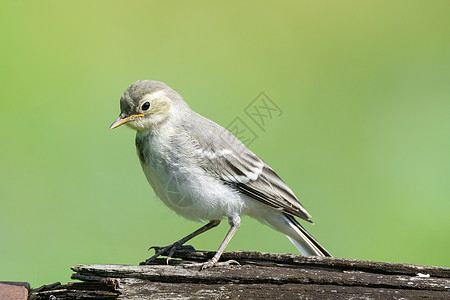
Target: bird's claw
167, 251
211, 263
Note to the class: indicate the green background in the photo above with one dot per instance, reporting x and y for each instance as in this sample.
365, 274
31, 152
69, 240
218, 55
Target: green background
364, 139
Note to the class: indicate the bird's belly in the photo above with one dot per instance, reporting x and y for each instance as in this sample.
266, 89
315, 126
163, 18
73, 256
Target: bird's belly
194, 195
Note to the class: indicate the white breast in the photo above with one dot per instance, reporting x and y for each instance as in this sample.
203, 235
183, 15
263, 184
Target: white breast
183, 185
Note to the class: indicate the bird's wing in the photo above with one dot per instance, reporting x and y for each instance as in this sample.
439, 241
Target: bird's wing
223, 155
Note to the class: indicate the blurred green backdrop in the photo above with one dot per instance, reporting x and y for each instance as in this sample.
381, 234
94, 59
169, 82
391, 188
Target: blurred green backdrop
364, 139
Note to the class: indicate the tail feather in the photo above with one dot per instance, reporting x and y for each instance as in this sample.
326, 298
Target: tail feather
288, 225
304, 242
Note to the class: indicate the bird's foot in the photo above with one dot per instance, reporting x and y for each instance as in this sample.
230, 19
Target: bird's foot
168, 251
211, 263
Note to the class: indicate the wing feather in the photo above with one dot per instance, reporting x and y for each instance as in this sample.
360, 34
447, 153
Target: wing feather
232, 162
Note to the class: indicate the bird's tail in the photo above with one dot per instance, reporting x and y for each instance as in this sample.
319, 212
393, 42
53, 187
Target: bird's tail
304, 242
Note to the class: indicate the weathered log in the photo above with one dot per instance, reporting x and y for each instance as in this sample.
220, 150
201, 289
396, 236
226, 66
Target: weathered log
258, 275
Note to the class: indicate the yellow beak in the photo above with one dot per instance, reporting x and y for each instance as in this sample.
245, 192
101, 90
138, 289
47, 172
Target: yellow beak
122, 120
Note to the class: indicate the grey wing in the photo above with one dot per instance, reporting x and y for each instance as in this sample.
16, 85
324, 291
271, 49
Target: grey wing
223, 155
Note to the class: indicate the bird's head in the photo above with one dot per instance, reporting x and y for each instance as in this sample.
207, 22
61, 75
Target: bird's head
146, 104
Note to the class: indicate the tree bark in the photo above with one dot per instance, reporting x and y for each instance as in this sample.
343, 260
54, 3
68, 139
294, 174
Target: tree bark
258, 275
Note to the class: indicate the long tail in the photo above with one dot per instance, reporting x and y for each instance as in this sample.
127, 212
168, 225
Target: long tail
304, 242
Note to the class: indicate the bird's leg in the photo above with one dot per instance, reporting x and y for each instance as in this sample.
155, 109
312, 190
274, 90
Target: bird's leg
235, 223
170, 249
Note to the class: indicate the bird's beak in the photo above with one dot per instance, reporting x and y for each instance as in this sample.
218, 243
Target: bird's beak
124, 119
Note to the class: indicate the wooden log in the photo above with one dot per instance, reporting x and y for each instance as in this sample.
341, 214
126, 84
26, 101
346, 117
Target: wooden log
258, 275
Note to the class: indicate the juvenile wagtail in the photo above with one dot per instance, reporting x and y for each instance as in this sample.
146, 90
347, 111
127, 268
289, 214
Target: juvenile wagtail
204, 173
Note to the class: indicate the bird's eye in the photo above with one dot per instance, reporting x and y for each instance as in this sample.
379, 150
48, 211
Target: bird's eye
145, 106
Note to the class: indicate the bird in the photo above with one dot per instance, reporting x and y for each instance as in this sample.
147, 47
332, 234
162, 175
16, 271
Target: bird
204, 173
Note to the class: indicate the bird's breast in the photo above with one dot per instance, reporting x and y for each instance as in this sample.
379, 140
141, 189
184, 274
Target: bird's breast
182, 184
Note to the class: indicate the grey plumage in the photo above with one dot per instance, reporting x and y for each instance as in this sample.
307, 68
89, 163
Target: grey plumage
241, 168
203, 172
